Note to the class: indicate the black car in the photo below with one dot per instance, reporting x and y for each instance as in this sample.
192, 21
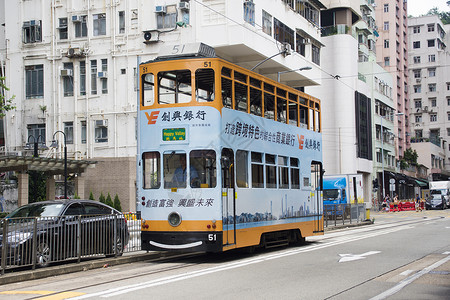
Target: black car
44, 232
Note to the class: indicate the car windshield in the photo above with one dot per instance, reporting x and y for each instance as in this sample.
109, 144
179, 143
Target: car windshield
331, 195
37, 210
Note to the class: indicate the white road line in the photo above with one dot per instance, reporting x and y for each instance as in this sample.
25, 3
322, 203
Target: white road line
168, 279
410, 279
406, 273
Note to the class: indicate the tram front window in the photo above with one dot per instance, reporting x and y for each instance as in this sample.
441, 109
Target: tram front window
175, 170
204, 162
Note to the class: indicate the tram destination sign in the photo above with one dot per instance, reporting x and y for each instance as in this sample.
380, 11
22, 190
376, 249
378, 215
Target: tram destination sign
174, 134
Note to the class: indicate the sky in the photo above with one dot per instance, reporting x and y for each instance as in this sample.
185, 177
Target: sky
421, 7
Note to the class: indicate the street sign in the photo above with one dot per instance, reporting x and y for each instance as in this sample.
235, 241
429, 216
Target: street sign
392, 187
392, 181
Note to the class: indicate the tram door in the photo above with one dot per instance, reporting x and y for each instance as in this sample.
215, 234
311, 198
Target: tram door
316, 190
228, 197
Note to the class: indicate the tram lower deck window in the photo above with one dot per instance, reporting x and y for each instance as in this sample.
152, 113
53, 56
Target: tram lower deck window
152, 170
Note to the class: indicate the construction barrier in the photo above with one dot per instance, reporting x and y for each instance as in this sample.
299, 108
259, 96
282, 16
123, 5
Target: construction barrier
405, 206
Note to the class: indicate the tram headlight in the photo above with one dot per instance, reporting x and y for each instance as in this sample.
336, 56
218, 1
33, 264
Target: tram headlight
174, 219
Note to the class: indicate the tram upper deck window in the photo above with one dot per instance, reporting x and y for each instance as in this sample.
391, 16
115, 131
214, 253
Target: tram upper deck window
293, 113
147, 90
227, 92
151, 170
257, 170
271, 171
242, 168
204, 85
240, 96
281, 110
203, 162
269, 101
174, 87
255, 101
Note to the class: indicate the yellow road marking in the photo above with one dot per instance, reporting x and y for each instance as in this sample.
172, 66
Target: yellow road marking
26, 292
64, 295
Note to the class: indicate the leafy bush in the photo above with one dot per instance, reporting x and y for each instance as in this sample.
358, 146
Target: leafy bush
117, 203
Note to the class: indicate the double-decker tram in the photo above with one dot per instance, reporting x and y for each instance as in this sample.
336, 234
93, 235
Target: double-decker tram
227, 158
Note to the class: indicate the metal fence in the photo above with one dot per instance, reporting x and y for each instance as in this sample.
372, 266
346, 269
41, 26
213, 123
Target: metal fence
41, 241
341, 214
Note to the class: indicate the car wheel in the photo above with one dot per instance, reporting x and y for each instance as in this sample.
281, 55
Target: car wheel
43, 254
118, 244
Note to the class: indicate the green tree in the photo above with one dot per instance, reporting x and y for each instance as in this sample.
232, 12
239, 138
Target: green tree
102, 198
91, 196
443, 16
409, 158
37, 188
5, 104
117, 203
109, 201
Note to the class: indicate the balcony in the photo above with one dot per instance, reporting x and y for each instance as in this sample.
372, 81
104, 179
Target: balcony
337, 29
432, 139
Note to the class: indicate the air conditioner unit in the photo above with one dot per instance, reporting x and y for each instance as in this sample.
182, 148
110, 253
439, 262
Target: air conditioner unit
425, 108
418, 80
287, 49
66, 72
151, 36
183, 5
101, 123
102, 74
76, 19
160, 9
73, 51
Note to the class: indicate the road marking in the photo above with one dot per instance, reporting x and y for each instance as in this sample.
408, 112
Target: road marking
245, 262
352, 257
406, 273
26, 293
409, 280
61, 296
446, 253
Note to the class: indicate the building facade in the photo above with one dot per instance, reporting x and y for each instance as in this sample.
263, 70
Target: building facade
72, 66
429, 86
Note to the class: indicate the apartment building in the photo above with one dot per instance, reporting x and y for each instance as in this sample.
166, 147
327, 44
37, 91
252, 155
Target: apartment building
429, 85
392, 54
72, 67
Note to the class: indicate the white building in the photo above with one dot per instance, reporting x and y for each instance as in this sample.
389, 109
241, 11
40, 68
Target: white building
72, 67
429, 86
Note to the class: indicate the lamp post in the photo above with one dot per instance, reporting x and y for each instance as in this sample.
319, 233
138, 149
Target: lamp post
283, 72
55, 144
35, 143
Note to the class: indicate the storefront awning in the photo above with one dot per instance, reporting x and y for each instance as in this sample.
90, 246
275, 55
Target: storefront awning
421, 183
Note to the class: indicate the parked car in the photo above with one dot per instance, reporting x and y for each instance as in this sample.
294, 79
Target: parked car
44, 232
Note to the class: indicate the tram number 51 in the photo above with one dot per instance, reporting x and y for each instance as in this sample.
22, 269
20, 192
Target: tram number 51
212, 237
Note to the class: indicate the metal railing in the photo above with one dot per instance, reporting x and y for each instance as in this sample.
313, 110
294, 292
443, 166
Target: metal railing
38, 242
341, 214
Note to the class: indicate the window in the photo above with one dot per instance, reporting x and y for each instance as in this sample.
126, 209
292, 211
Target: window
62, 29
416, 44
271, 171
82, 78
94, 77
432, 87
433, 102
448, 86
257, 170
242, 169
283, 172
433, 117
32, 31
204, 85
432, 72
430, 27
417, 73
101, 131
148, 84
386, 43
417, 88
386, 61
103, 77
448, 101
249, 12
416, 29
315, 54
386, 8
152, 170
99, 24
168, 19
174, 169
121, 22
68, 80
386, 26
83, 132
431, 58
202, 169
417, 103
418, 133
68, 130
283, 33
416, 59
418, 118
240, 93
431, 43
301, 44
174, 87
267, 23
34, 77
448, 131
37, 130
295, 173
80, 26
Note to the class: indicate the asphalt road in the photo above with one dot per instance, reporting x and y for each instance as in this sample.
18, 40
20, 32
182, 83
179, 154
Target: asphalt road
403, 255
